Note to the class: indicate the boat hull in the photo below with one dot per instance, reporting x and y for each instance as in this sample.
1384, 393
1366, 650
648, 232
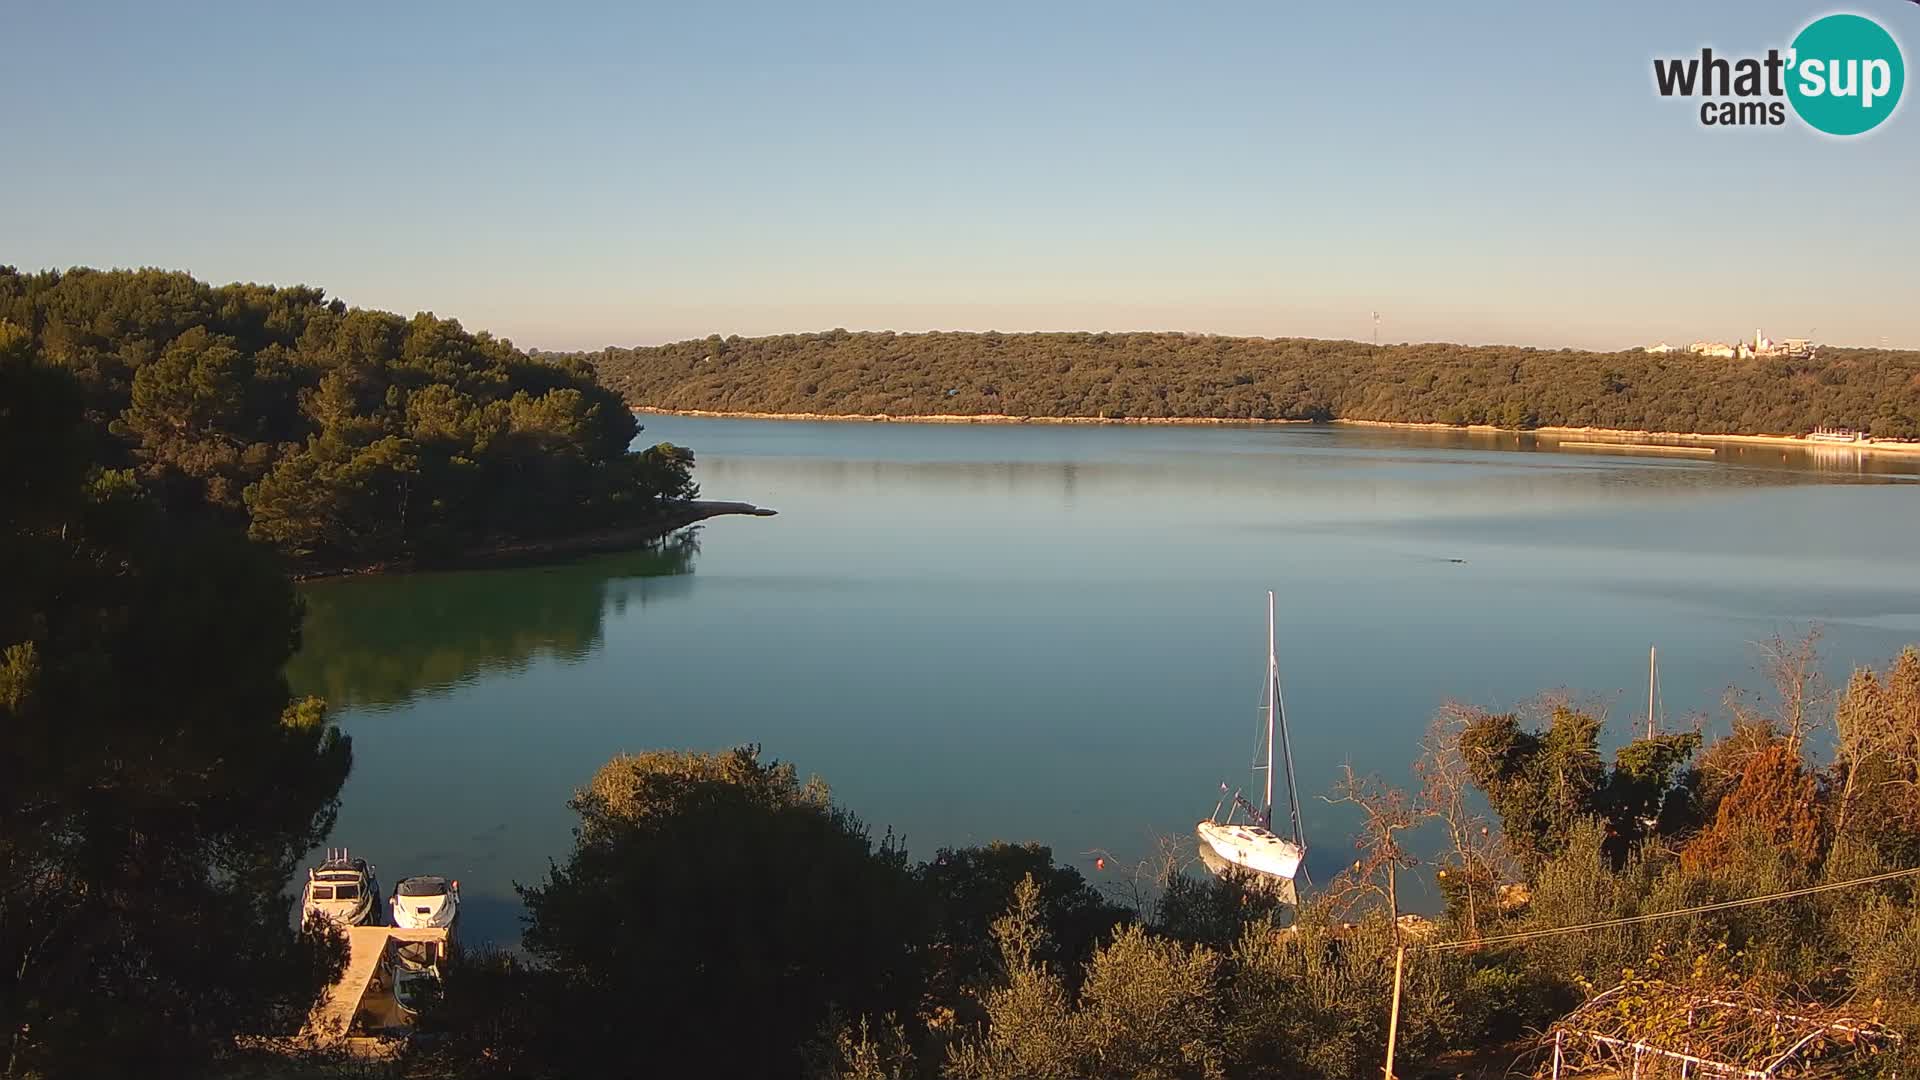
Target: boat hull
1271, 861
407, 913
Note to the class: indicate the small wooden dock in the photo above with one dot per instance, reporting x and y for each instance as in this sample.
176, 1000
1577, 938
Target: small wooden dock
352, 999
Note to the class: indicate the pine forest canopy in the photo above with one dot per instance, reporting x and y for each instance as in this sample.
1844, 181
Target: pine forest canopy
340, 435
1170, 375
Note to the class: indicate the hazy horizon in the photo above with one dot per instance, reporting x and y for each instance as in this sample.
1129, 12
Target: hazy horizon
616, 176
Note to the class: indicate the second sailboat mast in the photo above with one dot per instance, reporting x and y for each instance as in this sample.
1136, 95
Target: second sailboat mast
1273, 698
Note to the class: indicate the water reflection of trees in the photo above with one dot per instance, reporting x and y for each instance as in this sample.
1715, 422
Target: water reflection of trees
381, 641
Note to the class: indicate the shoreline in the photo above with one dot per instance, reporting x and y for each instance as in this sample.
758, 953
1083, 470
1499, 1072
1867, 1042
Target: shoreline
1622, 436
524, 552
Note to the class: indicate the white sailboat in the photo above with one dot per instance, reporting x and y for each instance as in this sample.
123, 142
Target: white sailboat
1252, 847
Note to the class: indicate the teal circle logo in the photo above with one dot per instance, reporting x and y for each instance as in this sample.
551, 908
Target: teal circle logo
1846, 74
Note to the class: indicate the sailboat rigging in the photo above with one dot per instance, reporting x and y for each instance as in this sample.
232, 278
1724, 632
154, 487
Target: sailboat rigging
1254, 848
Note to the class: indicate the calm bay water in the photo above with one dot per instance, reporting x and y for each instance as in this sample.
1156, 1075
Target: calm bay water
1057, 633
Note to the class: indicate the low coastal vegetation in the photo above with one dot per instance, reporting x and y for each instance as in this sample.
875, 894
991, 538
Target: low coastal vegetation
1169, 375
343, 437
706, 892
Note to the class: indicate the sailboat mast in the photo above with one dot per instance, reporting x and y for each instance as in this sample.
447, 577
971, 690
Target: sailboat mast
1277, 714
1273, 700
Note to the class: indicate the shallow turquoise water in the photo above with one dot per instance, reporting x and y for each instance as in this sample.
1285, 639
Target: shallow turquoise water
1057, 633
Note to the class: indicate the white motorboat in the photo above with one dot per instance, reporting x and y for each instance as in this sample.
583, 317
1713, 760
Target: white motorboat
426, 902
1251, 847
342, 888
414, 968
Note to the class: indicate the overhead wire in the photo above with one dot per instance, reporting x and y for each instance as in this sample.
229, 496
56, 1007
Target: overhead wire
1630, 920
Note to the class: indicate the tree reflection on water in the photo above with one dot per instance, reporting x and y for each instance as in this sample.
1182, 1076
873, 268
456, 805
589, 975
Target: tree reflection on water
379, 642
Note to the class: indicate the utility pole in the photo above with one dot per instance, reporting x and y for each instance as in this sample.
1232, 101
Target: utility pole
1393, 1018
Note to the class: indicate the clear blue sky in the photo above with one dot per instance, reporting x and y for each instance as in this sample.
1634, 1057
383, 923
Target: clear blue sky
624, 174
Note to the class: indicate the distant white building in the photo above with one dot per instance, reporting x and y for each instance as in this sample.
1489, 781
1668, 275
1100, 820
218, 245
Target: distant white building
1760, 346
1837, 435
1766, 346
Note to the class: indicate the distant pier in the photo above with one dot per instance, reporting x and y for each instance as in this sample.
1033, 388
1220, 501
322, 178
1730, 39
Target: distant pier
1643, 448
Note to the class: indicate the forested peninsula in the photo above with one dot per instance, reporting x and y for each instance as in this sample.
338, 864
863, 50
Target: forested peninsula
345, 438
1148, 376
